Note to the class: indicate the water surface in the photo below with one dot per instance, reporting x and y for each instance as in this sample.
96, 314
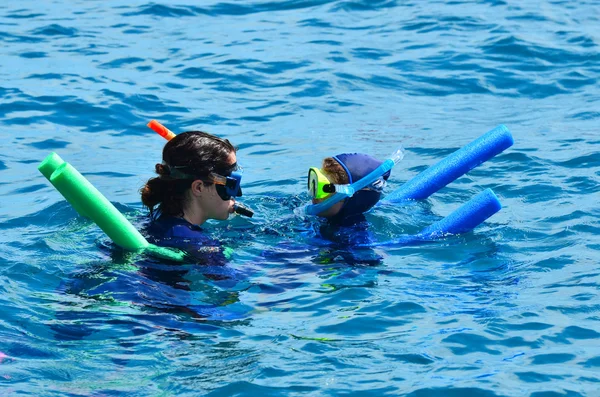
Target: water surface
509, 310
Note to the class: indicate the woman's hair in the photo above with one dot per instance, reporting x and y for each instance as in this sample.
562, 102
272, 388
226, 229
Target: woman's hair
334, 171
189, 156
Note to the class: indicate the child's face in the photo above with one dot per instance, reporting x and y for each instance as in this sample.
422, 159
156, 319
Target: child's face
333, 175
330, 212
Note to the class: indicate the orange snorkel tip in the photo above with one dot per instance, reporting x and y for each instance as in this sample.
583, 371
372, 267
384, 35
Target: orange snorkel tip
161, 130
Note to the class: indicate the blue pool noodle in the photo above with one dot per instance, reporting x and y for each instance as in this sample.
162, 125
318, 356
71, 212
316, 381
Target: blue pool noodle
463, 220
466, 218
453, 167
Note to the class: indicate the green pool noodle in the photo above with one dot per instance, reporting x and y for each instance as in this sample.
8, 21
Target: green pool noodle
50, 164
47, 167
67, 179
170, 254
69, 182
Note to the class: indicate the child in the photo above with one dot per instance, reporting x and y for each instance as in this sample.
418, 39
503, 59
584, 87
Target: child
345, 169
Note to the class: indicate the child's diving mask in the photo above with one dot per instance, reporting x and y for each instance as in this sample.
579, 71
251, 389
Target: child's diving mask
319, 186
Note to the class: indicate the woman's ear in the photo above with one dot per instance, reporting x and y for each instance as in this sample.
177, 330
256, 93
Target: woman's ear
197, 187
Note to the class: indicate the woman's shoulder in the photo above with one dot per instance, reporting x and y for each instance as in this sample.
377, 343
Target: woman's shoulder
170, 231
167, 227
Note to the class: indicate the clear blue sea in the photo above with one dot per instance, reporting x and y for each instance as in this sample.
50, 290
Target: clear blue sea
511, 309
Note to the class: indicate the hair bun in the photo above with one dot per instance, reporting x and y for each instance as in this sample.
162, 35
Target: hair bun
162, 169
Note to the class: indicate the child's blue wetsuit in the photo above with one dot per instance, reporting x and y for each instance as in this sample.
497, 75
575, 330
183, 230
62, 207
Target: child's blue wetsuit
345, 236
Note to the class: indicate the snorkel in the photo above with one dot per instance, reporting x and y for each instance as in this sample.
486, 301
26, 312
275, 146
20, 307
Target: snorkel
161, 130
227, 186
344, 191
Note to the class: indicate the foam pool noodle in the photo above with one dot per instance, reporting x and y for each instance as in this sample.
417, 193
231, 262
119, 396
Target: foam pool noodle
77, 189
47, 167
466, 218
453, 167
462, 220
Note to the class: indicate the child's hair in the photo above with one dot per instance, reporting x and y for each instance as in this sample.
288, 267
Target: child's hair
189, 156
334, 171
351, 167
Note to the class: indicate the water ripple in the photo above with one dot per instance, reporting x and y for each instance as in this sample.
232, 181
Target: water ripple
55, 30
509, 307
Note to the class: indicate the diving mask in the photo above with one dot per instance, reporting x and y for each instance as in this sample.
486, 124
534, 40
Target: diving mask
227, 182
227, 186
319, 186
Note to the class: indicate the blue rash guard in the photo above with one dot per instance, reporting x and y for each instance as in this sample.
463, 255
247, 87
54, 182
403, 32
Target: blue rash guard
171, 227
170, 231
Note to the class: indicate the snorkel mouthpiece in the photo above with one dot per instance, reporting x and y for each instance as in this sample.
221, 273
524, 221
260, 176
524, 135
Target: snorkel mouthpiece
242, 210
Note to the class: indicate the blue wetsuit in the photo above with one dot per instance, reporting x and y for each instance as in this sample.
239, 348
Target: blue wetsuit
170, 231
203, 287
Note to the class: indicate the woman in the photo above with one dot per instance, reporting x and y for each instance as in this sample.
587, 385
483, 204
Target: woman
196, 182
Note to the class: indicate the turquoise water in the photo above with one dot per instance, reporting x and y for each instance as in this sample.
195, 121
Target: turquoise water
508, 310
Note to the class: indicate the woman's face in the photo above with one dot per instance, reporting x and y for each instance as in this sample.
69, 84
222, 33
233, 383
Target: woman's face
213, 206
